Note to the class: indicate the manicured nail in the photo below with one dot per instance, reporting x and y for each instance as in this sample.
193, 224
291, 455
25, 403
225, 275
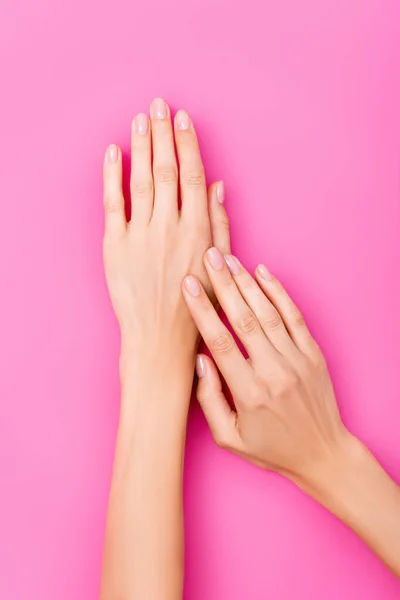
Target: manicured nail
200, 366
220, 192
182, 119
192, 286
159, 108
215, 259
112, 153
264, 273
233, 264
141, 124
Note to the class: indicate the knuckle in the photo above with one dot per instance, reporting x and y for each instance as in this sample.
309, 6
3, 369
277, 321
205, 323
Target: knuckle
271, 322
285, 383
113, 204
225, 223
256, 396
247, 324
166, 175
142, 190
297, 319
194, 180
222, 344
317, 357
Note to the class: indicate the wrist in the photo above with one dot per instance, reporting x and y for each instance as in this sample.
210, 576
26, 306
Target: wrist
156, 387
348, 481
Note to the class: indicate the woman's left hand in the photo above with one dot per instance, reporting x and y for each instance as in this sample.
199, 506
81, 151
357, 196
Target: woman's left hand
146, 258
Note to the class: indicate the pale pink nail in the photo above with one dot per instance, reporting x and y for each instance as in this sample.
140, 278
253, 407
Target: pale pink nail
200, 366
264, 273
220, 192
215, 259
182, 119
141, 124
192, 286
159, 108
112, 153
233, 264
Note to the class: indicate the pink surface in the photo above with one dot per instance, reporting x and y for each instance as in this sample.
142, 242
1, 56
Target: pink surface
297, 107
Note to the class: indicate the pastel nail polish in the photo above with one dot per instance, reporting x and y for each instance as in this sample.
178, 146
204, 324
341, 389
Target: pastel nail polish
264, 273
200, 366
233, 264
215, 259
220, 192
112, 153
159, 109
182, 120
141, 124
192, 286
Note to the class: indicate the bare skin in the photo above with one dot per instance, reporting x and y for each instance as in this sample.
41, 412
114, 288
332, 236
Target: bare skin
286, 417
145, 262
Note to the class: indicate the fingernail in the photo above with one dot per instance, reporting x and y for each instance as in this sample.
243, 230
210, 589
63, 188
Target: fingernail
141, 124
220, 192
200, 366
182, 119
112, 153
192, 286
215, 259
233, 264
159, 108
264, 273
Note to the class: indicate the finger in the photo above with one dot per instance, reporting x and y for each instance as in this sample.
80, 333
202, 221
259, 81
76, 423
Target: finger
219, 340
141, 175
240, 315
191, 171
113, 198
221, 419
165, 170
266, 313
218, 218
289, 312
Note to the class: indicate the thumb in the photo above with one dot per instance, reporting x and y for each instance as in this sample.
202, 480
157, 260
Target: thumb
219, 220
221, 419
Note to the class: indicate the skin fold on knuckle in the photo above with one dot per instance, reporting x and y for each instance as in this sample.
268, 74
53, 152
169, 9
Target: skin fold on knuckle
222, 344
166, 175
296, 319
247, 325
271, 322
141, 190
113, 203
194, 180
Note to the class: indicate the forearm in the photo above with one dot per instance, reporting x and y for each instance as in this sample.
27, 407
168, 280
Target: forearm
143, 555
355, 487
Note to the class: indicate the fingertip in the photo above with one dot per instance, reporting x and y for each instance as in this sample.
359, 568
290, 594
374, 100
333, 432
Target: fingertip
201, 365
263, 273
182, 120
140, 124
112, 155
220, 192
159, 109
219, 220
192, 286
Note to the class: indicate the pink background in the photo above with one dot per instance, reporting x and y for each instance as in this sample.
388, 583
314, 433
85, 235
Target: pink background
297, 107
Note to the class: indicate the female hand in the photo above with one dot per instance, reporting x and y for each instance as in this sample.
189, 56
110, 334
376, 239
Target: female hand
146, 259
286, 417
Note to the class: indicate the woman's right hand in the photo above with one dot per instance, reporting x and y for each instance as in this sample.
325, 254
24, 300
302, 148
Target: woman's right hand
285, 416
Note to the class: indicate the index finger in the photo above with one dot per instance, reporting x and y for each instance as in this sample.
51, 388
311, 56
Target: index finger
229, 359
